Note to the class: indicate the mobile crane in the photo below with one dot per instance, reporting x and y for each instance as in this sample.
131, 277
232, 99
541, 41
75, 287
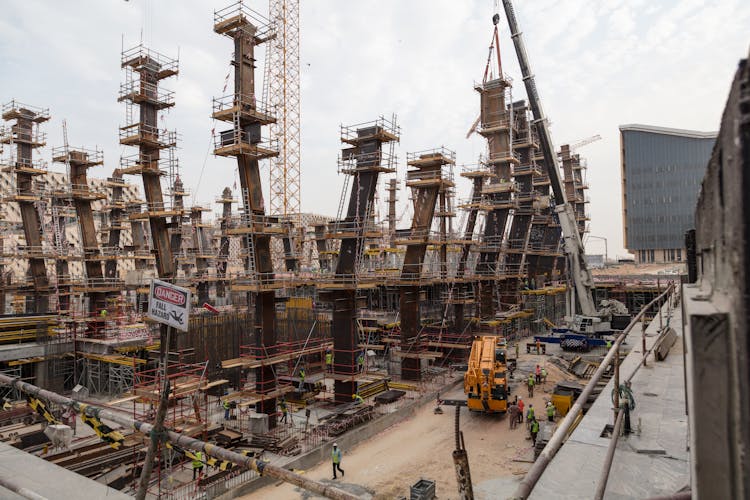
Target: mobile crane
596, 321
486, 379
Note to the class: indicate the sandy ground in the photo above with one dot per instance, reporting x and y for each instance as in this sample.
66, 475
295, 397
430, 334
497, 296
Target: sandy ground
420, 447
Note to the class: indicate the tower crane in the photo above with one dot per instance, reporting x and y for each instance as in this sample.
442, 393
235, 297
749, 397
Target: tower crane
585, 142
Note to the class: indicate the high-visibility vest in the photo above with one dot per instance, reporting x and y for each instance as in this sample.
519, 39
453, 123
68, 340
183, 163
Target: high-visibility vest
531, 380
544, 372
336, 456
198, 460
550, 411
535, 426
226, 404
530, 413
358, 399
282, 405
329, 359
302, 375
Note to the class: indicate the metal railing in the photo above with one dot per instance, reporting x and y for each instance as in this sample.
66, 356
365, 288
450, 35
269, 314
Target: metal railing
142, 132
26, 110
352, 162
435, 153
262, 27
164, 164
138, 90
351, 132
141, 56
245, 102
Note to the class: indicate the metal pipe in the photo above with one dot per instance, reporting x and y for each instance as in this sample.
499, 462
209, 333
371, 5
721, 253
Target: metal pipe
183, 441
8, 483
561, 433
617, 383
604, 476
161, 413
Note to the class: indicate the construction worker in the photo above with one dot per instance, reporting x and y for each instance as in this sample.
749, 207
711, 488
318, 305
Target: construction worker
336, 460
329, 361
544, 375
513, 415
284, 411
226, 405
538, 346
357, 399
609, 345
538, 374
361, 362
531, 385
550, 411
534, 430
197, 464
103, 313
301, 379
530, 415
520, 411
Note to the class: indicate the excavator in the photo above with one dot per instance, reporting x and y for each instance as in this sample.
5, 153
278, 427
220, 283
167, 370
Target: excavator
486, 380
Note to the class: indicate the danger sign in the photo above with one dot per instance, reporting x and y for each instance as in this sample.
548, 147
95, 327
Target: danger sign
169, 304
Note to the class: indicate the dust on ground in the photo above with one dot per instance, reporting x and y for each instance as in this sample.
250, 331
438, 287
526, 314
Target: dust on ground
421, 446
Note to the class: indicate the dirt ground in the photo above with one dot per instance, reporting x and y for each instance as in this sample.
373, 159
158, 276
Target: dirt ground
420, 447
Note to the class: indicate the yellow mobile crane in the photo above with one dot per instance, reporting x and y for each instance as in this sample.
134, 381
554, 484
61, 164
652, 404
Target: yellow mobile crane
486, 380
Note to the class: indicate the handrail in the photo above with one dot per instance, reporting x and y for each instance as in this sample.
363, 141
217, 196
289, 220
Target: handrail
557, 439
604, 477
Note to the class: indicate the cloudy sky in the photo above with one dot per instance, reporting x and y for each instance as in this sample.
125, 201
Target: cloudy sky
599, 64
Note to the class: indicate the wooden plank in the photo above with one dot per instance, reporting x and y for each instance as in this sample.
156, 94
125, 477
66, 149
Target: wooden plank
273, 360
417, 355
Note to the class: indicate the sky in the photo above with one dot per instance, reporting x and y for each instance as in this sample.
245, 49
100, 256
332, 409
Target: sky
598, 64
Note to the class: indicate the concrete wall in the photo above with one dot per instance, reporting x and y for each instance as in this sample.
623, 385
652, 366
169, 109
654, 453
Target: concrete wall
716, 311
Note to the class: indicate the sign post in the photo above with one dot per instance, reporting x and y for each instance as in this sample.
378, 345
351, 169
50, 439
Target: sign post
169, 304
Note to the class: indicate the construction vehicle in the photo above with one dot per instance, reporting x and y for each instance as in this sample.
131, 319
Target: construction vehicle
583, 284
486, 380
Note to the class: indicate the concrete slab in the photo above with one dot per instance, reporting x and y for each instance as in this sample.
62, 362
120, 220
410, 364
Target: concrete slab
46, 479
652, 461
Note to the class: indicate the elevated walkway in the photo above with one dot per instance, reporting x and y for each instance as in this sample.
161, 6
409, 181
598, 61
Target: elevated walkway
654, 459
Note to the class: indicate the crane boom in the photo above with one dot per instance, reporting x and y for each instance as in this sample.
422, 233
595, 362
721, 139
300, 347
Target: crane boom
579, 272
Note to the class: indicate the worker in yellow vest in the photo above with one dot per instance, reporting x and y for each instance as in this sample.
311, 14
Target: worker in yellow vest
550, 412
530, 415
531, 385
357, 399
329, 361
226, 405
336, 460
284, 411
197, 464
534, 430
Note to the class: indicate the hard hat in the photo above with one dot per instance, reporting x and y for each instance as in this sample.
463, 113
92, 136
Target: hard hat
335, 445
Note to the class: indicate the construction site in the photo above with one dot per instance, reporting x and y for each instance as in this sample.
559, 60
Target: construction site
409, 338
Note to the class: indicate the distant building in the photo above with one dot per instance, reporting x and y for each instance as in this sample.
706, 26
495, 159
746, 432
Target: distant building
662, 170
